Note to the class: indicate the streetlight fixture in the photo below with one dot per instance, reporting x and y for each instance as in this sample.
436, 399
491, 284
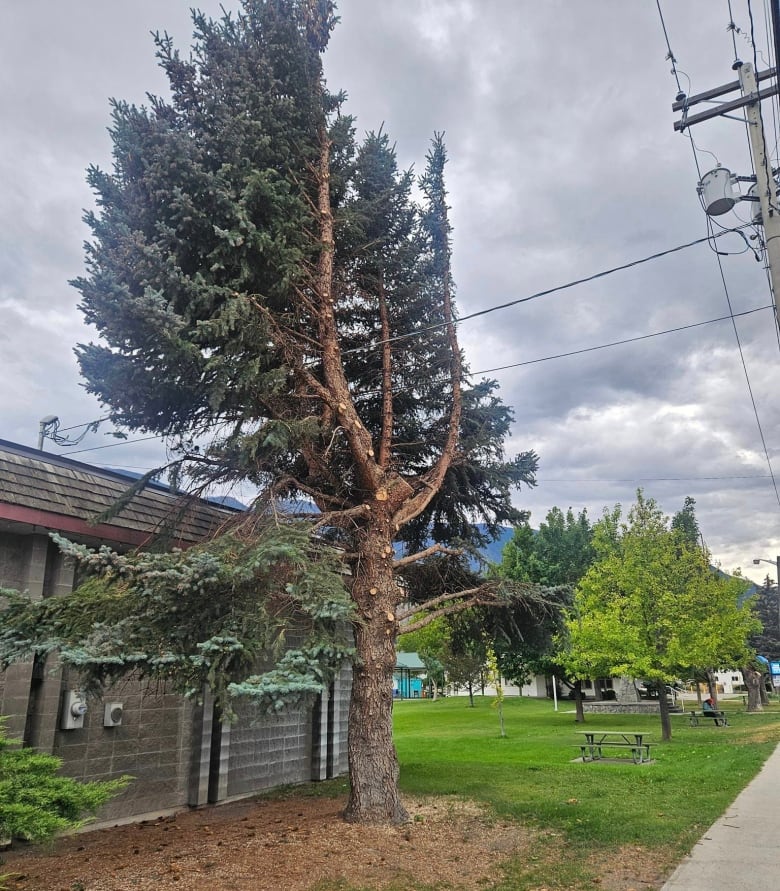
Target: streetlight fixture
776, 563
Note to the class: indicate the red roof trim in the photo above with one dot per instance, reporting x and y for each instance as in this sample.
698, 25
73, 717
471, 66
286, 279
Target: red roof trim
62, 523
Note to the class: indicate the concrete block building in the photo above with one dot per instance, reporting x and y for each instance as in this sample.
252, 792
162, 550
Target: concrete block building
179, 753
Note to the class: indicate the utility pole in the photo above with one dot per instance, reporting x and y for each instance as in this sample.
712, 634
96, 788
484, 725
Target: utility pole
765, 181
775, 5
721, 178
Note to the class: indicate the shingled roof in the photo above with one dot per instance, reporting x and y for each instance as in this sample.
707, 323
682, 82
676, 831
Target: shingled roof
53, 493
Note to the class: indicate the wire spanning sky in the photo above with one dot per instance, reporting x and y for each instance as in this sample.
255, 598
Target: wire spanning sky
563, 163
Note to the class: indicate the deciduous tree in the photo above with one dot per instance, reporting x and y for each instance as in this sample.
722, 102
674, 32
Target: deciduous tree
651, 605
558, 555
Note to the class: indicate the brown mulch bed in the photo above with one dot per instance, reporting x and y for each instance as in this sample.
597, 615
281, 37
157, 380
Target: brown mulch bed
295, 844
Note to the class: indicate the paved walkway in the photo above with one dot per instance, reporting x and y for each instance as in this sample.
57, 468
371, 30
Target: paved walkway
741, 851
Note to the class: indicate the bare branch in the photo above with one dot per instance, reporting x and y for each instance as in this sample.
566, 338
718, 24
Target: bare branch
428, 552
425, 620
442, 599
342, 518
491, 594
339, 397
285, 483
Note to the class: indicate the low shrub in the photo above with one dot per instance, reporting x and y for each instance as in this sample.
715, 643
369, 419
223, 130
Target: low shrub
36, 802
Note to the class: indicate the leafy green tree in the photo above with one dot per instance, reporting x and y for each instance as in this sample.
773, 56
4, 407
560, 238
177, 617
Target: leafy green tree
563, 548
272, 300
431, 644
36, 802
557, 556
651, 606
469, 646
517, 557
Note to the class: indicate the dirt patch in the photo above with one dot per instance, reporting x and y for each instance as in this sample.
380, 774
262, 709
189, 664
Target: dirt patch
267, 845
628, 868
301, 843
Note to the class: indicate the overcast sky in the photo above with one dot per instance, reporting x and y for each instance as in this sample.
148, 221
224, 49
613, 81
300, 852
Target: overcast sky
563, 163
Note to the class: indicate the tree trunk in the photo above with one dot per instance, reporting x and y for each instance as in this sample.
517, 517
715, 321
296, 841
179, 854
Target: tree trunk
579, 710
753, 682
762, 691
712, 685
373, 762
471, 693
663, 703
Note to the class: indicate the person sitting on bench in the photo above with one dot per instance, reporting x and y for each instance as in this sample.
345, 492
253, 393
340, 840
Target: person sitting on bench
710, 710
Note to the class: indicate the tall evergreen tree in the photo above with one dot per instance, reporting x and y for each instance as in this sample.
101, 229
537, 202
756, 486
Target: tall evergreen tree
767, 606
271, 299
686, 524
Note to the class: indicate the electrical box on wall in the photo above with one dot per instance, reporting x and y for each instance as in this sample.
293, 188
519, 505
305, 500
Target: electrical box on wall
112, 714
74, 707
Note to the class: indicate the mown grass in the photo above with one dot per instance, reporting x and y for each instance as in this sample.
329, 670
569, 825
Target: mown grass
448, 748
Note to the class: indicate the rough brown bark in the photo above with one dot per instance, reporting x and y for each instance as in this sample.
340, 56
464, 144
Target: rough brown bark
373, 763
579, 710
387, 382
753, 682
663, 703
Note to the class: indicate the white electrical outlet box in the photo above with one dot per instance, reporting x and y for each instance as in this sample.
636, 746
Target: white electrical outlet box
112, 714
74, 707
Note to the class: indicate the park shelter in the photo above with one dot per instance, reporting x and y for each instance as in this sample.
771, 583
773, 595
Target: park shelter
408, 676
179, 752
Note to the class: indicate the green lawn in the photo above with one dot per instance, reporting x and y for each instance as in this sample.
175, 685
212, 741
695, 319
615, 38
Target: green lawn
447, 748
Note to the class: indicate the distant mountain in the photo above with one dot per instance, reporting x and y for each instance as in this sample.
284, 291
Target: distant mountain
492, 552
226, 501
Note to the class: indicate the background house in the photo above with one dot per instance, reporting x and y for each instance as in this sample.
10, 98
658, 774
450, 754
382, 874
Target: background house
179, 752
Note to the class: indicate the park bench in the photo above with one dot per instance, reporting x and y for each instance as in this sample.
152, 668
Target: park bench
718, 718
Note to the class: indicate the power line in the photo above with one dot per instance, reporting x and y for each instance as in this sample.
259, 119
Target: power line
670, 55
661, 479
85, 424
547, 291
747, 379
113, 445
591, 349
613, 343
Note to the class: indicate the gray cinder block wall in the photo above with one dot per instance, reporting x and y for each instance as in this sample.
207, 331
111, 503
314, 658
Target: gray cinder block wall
170, 746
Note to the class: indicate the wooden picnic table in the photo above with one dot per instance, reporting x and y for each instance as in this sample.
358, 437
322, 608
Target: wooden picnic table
598, 740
